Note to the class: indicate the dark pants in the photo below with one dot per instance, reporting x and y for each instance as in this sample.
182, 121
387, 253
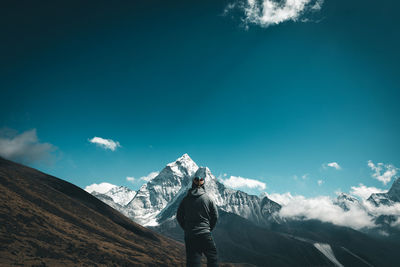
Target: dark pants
198, 244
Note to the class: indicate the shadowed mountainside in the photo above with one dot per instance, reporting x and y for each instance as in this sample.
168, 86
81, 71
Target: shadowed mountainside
47, 221
240, 240
292, 243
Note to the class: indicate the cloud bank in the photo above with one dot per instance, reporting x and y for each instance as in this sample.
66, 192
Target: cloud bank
24, 147
241, 182
265, 13
365, 192
326, 209
323, 208
382, 172
105, 143
99, 188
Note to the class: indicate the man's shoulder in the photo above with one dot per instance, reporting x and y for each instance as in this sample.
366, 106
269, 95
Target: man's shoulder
207, 197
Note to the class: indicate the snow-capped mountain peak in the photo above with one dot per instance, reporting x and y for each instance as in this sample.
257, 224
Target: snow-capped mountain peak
156, 194
183, 166
346, 197
346, 201
394, 191
389, 198
157, 200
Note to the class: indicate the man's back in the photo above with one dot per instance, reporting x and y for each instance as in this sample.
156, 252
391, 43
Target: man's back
197, 213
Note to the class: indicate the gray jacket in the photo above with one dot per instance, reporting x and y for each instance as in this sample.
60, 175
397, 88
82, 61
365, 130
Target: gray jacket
197, 213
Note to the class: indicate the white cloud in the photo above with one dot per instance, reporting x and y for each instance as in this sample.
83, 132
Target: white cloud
272, 12
365, 192
332, 165
99, 188
383, 172
322, 208
320, 182
237, 182
24, 147
105, 143
382, 209
149, 177
130, 179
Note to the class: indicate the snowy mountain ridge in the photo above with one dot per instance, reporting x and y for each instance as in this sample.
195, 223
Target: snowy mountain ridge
157, 200
389, 198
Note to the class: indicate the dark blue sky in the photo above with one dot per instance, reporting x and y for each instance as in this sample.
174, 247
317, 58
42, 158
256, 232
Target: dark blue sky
164, 78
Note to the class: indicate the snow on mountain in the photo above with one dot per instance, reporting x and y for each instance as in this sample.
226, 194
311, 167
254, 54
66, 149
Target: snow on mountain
378, 199
347, 202
326, 249
157, 200
116, 197
121, 195
108, 200
394, 192
389, 198
156, 194
248, 206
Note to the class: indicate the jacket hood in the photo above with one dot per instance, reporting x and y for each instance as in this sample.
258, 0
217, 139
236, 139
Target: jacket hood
196, 192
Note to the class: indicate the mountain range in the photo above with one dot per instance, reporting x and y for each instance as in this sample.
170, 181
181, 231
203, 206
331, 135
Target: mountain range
156, 201
46, 221
250, 228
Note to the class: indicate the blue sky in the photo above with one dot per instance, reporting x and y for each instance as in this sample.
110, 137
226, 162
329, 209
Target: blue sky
264, 102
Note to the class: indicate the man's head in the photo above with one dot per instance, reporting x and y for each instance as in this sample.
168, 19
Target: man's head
198, 181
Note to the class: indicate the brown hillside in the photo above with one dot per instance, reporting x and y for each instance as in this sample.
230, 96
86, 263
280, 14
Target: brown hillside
45, 221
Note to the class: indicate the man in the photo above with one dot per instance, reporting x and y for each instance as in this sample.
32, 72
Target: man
197, 214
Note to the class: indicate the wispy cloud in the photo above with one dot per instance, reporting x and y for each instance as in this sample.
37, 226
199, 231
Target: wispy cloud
265, 13
24, 147
105, 143
364, 192
383, 172
334, 165
320, 182
130, 179
99, 188
241, 182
